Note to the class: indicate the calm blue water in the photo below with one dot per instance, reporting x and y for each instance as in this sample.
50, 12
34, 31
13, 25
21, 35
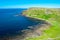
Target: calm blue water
10, 23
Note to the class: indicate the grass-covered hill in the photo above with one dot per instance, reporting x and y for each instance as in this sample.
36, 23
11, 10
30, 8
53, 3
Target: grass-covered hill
52, 15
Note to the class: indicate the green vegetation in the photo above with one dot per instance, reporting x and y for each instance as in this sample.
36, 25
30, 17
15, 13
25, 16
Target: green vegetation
52, 15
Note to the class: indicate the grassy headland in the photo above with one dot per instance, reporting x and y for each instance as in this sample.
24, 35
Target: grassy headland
51, 15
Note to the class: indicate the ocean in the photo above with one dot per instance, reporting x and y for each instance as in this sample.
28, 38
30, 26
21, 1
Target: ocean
11, 21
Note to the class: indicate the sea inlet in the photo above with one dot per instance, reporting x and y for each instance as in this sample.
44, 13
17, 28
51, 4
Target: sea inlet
12, 23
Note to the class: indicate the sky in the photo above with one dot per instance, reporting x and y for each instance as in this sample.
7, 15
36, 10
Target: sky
29, 3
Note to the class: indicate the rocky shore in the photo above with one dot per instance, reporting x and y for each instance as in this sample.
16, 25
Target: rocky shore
31, 31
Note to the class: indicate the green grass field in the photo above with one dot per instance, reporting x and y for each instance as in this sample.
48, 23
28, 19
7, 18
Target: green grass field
51, 15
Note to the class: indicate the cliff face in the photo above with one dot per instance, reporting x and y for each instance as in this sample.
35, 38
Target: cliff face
51, 15
36, 13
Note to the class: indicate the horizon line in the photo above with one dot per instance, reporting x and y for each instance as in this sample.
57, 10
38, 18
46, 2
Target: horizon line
30, 6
